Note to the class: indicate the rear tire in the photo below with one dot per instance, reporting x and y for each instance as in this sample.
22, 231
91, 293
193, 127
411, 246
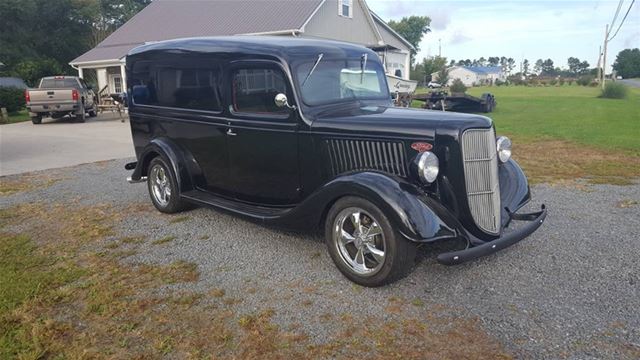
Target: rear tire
36, 119
93, 113
163, 187
366, 259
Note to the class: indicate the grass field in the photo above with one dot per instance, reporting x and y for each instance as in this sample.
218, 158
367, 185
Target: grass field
567, 132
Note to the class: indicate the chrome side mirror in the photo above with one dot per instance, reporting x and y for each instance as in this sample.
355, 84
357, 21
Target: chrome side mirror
281, 101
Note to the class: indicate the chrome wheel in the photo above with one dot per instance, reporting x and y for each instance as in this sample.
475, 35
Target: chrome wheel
160, 185
359, 240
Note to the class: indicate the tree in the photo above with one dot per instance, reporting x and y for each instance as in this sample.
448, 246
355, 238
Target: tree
482, 61
42, 36
412, 28
443, 76
433, 64
577, 67
547, 67
525, 67
627, 63
511, 64
494, 61
537, 68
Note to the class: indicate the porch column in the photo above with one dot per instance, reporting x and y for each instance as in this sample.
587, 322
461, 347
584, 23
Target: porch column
101, 73
123, 74
80, 73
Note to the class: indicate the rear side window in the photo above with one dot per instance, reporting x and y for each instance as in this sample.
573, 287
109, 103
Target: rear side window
187, 86
60, 83
254, 90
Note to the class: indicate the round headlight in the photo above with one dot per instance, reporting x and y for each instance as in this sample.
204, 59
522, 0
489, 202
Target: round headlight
503, 145
428, 166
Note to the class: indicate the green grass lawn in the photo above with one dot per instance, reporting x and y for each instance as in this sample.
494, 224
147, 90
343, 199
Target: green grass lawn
22, 115
573, 113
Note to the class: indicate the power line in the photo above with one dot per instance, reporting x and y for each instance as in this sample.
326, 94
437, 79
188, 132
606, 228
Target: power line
623, 19
615, 16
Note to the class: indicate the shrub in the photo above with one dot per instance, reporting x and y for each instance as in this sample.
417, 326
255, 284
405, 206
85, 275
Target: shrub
533, 82
11, 98
614, 90
499, 82
553, 82
458, 86
561, 81
585, 80
543, 83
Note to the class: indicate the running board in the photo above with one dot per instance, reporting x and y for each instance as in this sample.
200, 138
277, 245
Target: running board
252, 211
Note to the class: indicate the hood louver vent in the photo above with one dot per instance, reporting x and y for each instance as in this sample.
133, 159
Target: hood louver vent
358, 155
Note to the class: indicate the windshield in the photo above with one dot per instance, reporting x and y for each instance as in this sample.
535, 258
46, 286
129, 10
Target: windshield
341, 80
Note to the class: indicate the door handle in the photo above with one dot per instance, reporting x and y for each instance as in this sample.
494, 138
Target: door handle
231, 133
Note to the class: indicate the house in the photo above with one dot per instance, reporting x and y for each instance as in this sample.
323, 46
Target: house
474, 75
345, 20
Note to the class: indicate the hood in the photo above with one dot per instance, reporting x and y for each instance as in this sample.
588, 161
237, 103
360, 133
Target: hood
397, 122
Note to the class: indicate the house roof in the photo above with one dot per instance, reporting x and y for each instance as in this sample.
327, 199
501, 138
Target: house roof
484, 69
174, 19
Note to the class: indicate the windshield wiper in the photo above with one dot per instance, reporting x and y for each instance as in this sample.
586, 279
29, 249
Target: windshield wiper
313, 68
363, 65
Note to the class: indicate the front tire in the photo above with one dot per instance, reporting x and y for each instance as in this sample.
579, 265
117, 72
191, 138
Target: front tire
363, 244
36, 119
163, 187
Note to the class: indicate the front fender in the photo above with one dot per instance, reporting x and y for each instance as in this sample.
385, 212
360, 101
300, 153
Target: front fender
173, 154
514, 189
415, 215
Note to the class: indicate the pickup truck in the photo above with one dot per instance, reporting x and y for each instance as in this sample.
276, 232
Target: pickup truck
58, 96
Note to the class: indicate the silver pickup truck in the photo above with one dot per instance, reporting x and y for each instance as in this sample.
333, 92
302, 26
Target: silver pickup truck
61, 95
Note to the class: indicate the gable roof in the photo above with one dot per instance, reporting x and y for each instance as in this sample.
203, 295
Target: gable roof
484, 69
389, 36
173, 19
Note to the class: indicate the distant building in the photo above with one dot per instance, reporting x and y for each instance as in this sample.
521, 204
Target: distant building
474, 75
346, 20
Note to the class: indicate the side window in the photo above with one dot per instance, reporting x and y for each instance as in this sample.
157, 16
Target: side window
189, 86
254, 90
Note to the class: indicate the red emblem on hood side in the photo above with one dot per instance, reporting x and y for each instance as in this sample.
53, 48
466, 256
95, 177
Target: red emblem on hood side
421, 146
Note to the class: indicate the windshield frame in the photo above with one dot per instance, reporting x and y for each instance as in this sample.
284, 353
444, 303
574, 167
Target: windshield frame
376, 66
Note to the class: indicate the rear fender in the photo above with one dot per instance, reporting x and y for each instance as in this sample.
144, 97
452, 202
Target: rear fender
171, 152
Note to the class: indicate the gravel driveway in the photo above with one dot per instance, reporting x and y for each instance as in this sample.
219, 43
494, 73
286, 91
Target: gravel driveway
571, 290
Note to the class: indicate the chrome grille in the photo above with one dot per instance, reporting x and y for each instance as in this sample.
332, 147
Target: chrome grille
357, 155
481, 178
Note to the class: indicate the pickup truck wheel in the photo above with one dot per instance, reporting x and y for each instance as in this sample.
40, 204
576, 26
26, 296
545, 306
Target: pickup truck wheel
363, 244
163, 187
36, 119
93, 113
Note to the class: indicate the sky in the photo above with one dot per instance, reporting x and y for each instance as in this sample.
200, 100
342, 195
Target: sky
519, 29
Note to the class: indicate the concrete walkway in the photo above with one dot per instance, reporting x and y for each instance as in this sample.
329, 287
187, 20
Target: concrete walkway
26, 147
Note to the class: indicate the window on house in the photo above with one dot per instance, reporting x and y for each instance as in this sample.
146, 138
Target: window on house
254, 91
344, 8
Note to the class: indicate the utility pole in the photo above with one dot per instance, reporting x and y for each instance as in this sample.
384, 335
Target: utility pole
604, 55
439, 47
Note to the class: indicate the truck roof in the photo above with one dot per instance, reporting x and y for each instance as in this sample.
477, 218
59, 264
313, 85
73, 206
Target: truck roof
286, 48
